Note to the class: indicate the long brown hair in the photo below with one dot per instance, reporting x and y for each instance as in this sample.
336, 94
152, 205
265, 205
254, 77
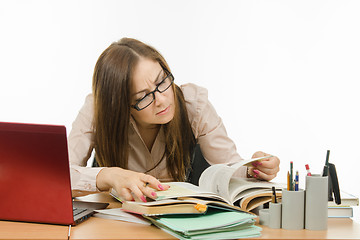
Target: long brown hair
111, 87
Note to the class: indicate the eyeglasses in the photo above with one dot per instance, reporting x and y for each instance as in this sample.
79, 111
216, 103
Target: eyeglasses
150, 97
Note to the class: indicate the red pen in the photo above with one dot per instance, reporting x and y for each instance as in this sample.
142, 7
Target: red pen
308, 169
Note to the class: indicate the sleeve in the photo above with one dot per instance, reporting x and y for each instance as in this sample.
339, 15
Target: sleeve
209, 129
80, 142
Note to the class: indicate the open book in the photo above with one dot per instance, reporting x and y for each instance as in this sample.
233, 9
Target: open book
218, 188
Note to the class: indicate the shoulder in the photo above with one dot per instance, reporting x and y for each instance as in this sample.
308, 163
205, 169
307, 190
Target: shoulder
86, 112
196, 98
89, 98
88, 107
197, 103
192, 92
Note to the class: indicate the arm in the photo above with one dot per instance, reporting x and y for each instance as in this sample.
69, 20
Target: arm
214, 142
209, 129
80, 147
84, 180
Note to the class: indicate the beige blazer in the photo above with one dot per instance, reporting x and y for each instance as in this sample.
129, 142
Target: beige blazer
207, 127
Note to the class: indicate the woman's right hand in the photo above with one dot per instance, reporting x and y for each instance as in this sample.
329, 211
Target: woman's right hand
128, 184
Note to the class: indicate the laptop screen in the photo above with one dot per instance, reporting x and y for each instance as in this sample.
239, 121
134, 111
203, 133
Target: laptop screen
34, 174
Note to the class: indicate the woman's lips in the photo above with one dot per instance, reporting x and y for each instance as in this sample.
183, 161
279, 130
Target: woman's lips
164, 111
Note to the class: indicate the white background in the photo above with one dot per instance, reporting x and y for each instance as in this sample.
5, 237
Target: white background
283, 75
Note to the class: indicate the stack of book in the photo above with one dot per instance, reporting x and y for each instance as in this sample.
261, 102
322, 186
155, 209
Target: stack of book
219, 208
345, 209
214, 224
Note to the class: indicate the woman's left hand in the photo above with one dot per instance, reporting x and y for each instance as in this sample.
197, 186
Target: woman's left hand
265, 169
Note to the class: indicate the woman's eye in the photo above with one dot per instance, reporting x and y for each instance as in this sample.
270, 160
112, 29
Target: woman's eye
161, 80
139, 97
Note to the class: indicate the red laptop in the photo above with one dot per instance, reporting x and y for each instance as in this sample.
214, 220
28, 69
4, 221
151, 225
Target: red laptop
35, 176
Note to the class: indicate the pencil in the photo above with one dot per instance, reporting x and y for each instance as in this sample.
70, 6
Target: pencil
297, 181
288, 181
291, 176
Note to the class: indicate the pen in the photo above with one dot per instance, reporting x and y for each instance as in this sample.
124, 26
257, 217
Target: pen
326, 167
297, 181
274, 194
69, 232
308, 169
291, 176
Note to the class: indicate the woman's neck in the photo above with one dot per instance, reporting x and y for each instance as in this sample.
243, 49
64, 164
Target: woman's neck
148, 134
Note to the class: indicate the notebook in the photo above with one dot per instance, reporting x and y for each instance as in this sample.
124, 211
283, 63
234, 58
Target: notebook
35, 176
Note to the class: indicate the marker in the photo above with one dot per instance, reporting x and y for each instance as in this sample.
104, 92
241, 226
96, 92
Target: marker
274, 194
326, 167
308, 169
297, 181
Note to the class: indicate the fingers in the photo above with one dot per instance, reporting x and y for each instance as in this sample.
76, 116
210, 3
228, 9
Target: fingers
137, 186
152, 182
136, 191
260, 154
266, 169
270, 163
126, 194
256, 173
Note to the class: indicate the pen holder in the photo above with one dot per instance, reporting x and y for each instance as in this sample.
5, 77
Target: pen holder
264, 217
275, 215
316, 211
293, 209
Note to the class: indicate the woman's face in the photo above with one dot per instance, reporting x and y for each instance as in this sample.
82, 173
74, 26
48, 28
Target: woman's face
147, 75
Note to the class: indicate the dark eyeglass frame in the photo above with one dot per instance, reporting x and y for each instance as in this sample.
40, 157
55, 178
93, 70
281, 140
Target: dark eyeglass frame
169, 75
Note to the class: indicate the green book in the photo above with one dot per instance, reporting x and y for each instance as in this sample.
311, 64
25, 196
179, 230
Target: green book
215, 224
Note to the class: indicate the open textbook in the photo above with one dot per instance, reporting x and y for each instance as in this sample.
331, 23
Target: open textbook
218, 188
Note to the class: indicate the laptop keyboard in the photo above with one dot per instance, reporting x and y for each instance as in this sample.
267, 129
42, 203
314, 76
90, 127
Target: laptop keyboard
77, 211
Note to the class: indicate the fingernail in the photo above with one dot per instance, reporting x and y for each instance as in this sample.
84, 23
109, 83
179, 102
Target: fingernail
256, 171
143, 199
255, 176
254, 164
259, 163
153, 194
160, 187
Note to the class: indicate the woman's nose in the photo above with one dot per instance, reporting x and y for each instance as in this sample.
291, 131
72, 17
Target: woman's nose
159, 98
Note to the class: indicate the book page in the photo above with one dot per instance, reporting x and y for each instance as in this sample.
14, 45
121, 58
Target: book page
248, 163
216, 178
118, 214
252, 192
252, 203
180, 189
238, 185
185, 189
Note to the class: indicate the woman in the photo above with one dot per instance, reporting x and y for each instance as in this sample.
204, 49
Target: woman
144, 127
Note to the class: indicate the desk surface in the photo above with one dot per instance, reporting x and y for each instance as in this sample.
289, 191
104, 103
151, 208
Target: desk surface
97, 228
